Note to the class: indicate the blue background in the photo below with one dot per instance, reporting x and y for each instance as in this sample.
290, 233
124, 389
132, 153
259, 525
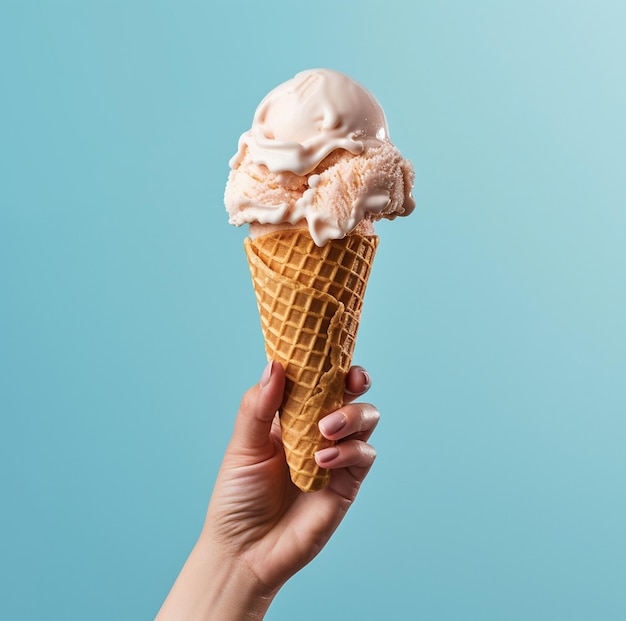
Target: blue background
493, 327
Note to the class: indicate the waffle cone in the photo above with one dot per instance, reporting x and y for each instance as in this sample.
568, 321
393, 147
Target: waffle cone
310, 301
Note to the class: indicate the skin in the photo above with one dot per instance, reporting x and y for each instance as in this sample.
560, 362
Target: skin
260, 529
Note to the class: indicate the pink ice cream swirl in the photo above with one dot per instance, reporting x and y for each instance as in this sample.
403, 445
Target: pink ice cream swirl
318, 155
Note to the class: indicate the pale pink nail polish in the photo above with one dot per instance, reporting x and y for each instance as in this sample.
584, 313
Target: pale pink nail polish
368, 379
365, 378
326, 455
267, 374
332, 423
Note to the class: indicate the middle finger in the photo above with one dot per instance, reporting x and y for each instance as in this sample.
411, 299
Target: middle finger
356, 420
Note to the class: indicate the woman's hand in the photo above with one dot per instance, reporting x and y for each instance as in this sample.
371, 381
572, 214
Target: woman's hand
260, 529
256, 512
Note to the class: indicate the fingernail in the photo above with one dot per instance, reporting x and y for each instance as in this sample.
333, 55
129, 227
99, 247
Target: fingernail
326, 455
332, 423
367, 382
267, 373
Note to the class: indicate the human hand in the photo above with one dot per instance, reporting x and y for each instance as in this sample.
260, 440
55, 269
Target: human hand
256, 513
260, 529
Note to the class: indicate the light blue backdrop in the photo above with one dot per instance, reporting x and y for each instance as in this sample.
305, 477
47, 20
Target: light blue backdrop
493, 328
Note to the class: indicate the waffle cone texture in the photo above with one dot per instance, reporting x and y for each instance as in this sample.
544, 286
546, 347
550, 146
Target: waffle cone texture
310, 301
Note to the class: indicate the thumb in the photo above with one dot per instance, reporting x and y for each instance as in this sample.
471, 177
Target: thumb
258, 408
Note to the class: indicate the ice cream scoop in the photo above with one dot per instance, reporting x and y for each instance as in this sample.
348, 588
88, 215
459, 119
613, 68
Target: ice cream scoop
303, 120
318, 156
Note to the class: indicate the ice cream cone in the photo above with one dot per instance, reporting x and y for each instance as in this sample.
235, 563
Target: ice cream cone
310, 301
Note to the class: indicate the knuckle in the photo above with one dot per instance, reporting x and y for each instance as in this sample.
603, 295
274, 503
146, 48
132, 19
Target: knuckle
369, 416
368, 452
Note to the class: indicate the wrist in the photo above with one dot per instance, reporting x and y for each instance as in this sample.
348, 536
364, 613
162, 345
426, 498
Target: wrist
213, 586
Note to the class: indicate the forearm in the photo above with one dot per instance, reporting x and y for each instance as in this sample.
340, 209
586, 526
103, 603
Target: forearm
210, 588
